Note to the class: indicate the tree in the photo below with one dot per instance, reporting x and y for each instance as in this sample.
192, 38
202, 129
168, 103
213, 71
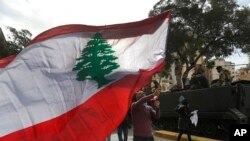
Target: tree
3, 45
17, 40
204, 29
96, 61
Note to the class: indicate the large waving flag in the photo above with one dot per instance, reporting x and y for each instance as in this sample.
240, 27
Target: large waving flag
76, 82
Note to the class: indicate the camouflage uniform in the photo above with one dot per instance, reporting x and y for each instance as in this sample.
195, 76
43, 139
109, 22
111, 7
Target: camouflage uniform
225, 78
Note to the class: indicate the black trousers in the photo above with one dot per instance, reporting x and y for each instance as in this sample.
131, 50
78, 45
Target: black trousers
180, 134
122, 132
137, 138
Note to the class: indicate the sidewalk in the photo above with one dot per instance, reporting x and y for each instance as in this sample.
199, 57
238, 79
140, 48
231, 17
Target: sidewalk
114, 137
163, 135
173, 136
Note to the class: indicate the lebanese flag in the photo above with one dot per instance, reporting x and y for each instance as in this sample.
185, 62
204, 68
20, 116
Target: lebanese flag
5, 61
76, 82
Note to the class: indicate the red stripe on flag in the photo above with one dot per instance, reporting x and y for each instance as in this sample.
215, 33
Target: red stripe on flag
93, 120
148, 26
5, 61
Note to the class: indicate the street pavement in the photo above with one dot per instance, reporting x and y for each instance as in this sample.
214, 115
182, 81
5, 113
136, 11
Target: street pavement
114, 137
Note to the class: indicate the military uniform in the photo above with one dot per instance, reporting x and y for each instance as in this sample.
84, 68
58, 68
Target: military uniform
198, 81
225, 78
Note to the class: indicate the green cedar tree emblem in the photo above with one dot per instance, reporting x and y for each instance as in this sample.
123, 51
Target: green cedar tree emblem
96, 61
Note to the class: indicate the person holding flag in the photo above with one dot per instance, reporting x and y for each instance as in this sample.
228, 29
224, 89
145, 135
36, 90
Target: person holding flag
142, 115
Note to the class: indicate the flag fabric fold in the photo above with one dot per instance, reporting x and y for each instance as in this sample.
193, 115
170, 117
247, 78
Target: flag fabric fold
5, 61
76, 82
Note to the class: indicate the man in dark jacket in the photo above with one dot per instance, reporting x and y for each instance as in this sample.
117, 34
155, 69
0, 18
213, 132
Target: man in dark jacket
184, 122
142, 114
198, 79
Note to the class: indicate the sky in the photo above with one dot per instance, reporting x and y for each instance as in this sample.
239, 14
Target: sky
40, 15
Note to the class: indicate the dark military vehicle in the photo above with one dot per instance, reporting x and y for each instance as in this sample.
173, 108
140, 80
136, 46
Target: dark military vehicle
217, 109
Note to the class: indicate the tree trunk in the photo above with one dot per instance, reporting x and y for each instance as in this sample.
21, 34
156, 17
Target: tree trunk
178, 74
185, 74
184, 77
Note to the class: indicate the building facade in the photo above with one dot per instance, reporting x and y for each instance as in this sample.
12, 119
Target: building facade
243, 74
248, 54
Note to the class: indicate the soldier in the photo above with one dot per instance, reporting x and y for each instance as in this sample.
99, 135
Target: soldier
198, 80
225, 78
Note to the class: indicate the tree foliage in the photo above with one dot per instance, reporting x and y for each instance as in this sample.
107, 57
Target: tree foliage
205, 29
17, 40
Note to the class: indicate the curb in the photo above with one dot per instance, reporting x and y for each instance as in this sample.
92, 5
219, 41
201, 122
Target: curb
173, 136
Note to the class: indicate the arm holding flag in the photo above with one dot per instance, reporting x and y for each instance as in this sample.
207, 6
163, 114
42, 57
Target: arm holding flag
141, 98
156, 112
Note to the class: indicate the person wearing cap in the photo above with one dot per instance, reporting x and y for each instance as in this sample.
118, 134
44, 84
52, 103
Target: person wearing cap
225, 78
142, 115
184, 122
